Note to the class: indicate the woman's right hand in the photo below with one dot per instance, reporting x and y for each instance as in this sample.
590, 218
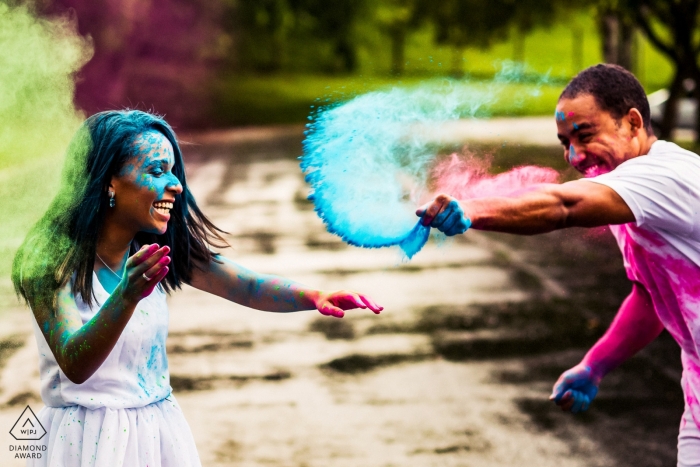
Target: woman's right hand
143, 271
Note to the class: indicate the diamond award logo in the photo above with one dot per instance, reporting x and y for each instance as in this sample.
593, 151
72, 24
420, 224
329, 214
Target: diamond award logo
28, 427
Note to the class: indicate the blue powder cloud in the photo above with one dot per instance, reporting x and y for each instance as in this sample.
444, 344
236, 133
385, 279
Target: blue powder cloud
367, 160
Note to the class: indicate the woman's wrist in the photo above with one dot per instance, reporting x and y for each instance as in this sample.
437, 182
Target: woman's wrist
126, 298
315, 297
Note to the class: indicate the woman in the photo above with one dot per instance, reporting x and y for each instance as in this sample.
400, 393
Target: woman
122, 232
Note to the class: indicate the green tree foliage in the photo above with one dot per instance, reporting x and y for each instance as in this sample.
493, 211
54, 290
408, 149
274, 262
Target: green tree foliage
271, 34
263, 30
334, 22
479, 23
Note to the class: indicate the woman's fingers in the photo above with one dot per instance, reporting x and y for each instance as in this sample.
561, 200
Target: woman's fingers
357, 301
142, 255
329, 309
148, 263
371, 305
151, 273
160, 275
336, 303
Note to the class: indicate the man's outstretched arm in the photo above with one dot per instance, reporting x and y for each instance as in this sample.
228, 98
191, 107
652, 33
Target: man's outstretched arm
634, 327
539, 209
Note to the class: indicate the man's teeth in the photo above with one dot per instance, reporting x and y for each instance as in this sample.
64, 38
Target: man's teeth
163, 207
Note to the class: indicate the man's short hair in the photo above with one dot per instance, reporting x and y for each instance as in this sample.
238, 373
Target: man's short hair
614, 89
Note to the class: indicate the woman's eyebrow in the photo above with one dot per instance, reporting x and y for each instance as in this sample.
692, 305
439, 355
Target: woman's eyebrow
162, 160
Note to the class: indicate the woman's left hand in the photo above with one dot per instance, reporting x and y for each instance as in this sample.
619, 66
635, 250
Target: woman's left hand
335, 303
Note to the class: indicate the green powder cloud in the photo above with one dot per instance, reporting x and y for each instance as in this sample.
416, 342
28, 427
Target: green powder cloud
39, 58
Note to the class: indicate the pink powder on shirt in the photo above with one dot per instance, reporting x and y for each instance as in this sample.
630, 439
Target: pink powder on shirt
673, 281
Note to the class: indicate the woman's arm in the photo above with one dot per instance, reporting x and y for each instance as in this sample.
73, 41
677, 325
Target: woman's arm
539, 209
80, 348
634, 327
226, 279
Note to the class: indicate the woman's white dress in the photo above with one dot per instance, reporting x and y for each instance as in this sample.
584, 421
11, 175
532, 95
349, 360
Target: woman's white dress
124, 414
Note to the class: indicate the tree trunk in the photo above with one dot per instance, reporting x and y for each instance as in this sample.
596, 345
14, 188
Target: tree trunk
610, 30
276, 52
696, 96
577, 48
671, 107
625, 51
345, 51
457, 62
519, 46
398, 42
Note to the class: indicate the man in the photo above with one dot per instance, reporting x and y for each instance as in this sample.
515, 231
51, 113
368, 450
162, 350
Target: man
648, 191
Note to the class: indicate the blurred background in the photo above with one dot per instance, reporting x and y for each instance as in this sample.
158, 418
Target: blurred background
456, 371
208, 63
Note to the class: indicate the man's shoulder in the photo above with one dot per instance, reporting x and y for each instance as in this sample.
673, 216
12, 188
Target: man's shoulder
663, 157
663, 148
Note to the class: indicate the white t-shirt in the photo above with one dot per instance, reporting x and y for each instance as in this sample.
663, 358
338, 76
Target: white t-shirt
661, 249
663, 191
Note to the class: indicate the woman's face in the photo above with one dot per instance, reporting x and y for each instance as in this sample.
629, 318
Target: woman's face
145, 188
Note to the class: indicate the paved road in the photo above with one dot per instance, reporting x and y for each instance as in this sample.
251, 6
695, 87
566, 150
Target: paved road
437, 379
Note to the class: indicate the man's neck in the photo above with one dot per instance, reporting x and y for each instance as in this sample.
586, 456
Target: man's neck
645, 144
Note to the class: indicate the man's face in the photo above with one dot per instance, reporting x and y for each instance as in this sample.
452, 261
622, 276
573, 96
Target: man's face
594, 142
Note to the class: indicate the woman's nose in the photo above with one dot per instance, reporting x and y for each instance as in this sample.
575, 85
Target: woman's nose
174, 185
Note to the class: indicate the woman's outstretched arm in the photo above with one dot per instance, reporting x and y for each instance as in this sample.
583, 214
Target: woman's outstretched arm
226, 279
80, 348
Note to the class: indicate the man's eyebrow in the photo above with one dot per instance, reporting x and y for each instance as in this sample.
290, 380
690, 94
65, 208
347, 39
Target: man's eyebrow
582, 126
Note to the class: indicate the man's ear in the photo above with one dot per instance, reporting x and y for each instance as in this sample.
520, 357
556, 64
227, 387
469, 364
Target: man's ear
635, 119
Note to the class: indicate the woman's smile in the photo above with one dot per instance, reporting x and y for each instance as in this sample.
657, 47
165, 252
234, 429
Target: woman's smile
163, 207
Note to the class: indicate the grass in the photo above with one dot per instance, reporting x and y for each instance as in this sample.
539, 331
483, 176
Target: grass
283, 99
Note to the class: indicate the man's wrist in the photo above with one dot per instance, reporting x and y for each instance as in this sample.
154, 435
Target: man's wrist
597, 369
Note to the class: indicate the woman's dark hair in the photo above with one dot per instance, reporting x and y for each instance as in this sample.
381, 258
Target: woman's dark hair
614, 89
63, 241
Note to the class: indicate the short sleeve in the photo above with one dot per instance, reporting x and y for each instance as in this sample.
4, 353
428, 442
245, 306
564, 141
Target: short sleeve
660, 194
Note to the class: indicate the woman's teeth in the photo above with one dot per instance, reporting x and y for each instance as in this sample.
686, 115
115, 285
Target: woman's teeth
163, 207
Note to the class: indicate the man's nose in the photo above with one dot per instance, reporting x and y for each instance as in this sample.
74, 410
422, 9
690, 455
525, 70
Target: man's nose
576, 155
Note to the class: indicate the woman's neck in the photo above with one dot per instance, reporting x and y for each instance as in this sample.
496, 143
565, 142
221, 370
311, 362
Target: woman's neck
113, 245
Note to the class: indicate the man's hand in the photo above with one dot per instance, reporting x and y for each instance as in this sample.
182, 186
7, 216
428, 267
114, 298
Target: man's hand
575, 389
445, 214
